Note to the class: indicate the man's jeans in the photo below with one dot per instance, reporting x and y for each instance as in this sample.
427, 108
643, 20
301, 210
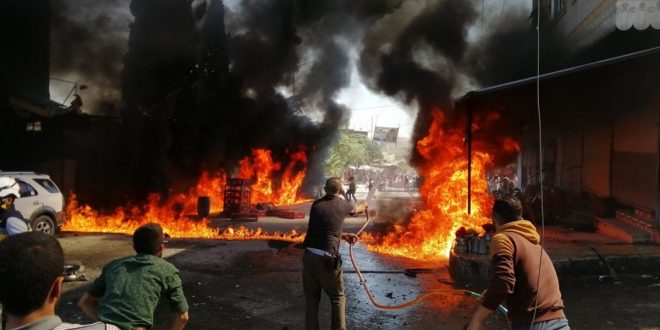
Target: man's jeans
556, 324
319, 274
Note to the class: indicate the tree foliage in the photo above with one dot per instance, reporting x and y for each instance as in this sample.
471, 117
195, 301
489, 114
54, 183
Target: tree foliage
352, 149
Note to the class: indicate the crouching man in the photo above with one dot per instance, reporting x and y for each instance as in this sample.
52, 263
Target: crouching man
528, 284
128, 290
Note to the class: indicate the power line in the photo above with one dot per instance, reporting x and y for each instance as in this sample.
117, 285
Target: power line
540, 157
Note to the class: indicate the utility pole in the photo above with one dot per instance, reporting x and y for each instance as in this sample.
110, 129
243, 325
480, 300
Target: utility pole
468, 140
293, 102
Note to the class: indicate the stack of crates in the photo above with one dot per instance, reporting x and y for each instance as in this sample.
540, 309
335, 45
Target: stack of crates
237, 196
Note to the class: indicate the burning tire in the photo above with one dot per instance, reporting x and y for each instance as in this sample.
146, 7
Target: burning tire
44, 224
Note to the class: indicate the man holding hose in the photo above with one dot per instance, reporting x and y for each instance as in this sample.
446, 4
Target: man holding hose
321, 261
521, 273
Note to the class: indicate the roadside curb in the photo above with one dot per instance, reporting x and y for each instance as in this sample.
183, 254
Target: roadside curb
474, 269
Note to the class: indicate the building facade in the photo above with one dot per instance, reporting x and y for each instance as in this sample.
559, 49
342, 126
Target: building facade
600, 110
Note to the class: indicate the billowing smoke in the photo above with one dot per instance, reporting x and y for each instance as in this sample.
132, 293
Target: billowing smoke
87, 46
507, 50
158, 86
200, 93
203, 82
413, 54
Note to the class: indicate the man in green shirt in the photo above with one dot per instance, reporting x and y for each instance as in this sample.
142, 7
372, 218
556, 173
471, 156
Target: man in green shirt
128, 290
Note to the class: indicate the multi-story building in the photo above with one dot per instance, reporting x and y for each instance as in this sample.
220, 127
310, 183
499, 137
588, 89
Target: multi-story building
583, 22
600, 112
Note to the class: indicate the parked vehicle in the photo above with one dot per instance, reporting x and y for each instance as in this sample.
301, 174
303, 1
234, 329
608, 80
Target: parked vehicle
41, 201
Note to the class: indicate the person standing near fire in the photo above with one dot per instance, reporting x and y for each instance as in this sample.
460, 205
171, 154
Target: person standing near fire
352, 187
322, 265
531, 292
11, 221
370, 191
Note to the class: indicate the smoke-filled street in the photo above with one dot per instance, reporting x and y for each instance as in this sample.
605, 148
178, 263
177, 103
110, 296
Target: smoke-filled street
411, 164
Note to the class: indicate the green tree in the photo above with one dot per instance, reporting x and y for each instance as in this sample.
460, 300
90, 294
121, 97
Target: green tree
352, 149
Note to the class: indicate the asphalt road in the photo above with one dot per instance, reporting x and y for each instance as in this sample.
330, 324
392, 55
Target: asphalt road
257, 285
251, 285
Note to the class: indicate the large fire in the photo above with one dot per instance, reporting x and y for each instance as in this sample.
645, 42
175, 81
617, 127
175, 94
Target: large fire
430, 232
261, 169
428, 235
177, 212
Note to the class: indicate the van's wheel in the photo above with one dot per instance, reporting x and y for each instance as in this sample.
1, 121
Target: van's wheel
44, 224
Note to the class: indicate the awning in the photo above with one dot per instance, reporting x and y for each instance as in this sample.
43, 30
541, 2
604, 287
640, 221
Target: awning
560, 73
48, 109
640, 14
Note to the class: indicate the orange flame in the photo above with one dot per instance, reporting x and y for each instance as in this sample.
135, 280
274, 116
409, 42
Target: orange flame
261, 169
430, 232
177, 213
124, 220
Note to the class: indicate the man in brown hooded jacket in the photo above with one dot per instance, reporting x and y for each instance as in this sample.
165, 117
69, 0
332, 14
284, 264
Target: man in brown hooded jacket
514, 275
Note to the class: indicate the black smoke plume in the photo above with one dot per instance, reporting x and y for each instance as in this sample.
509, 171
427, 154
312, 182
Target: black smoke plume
405, 68
158, 82
202, 85
87, 46
203, 82
508, 50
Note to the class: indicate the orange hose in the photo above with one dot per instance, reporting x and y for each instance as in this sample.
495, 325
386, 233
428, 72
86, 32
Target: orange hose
441, 292
419, 298
444, 292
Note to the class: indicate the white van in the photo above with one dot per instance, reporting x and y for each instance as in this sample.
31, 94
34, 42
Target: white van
41, 201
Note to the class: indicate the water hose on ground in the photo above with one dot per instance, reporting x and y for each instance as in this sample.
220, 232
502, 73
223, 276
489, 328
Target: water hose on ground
442, 292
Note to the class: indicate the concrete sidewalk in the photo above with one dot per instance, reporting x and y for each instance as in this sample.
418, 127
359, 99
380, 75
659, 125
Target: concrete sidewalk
572, 252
